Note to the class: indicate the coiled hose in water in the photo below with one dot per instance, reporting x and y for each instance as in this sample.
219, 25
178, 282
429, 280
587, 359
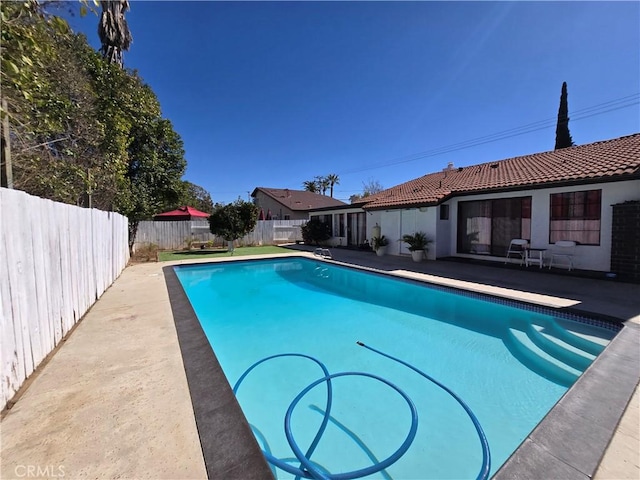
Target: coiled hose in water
310, 470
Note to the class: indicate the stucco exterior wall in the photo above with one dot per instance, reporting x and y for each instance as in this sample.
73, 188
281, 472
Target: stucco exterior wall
587, 257
445, 229
373, 219
396, 222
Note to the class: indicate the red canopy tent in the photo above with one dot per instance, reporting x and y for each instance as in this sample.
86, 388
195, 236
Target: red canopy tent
181, 213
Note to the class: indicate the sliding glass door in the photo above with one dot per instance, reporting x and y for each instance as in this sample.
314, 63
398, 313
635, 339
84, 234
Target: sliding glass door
486, 227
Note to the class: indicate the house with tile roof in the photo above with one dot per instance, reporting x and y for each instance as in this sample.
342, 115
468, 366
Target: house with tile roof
475, 211
287, 204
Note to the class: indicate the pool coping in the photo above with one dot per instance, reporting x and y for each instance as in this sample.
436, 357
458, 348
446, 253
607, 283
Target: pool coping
228, 446
572, 438
569, 442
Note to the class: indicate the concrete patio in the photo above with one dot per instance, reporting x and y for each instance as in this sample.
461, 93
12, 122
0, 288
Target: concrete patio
113, 401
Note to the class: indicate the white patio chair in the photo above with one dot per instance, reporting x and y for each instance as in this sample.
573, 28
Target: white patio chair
323, 252
563, 250
517, 248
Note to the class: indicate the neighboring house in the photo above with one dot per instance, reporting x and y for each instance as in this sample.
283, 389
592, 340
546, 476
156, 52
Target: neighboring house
568, 194
286, 204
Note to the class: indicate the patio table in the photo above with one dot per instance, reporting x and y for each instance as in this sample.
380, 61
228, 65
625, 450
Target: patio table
534, 256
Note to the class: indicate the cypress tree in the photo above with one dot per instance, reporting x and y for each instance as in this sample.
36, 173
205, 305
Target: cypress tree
563, 137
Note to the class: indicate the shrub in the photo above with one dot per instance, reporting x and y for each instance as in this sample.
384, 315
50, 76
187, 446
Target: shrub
417, 241
233, 221
314, 232
147, 252
379, 242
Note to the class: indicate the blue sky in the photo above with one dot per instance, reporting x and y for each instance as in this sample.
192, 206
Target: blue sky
275, 93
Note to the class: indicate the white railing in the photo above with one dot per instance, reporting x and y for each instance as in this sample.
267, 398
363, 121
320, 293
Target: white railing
56, 260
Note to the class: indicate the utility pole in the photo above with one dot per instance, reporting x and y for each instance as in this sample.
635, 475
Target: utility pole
6, 169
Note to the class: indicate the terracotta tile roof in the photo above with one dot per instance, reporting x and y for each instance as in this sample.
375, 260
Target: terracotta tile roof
299, 200
617, 159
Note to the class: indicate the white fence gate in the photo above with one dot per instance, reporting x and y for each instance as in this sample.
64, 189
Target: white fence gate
56, 260
176, 235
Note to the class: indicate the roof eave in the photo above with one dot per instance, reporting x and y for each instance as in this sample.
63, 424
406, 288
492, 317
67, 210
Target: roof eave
511, 188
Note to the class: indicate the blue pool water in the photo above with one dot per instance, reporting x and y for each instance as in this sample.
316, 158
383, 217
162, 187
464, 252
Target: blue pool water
510, 365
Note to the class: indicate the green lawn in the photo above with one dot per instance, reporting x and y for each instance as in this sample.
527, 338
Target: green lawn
219, 253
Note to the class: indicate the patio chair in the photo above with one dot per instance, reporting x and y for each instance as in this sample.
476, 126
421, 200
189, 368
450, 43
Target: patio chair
517, 248
323, 252
563, 250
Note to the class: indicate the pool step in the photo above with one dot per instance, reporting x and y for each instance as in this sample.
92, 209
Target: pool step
585, 337
567, 352
538, 360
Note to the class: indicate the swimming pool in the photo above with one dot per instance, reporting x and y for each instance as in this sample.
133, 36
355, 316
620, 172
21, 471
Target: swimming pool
476, 347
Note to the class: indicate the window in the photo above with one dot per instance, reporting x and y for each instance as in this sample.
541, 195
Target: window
287, 217
486, 227
328, 220
576, 216
444, 212
338, 225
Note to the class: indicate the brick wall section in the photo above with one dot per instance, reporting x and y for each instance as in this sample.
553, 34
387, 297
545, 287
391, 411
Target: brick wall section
625, 241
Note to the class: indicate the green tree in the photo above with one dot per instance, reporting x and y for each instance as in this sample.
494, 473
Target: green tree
195, 196
83, 131
54, 121
156, 164
234, 220
315, 231
145, 153
563, 137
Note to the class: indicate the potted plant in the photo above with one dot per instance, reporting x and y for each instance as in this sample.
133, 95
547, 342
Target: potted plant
418, 245
379, 245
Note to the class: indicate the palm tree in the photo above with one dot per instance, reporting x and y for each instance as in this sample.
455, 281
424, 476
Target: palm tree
323, 184
310, 186
333, 180
113, 30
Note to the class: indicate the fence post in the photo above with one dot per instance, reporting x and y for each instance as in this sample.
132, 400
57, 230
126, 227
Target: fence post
6, 169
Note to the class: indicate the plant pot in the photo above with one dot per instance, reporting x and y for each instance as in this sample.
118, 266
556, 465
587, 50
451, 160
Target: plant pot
417, 255
381, 251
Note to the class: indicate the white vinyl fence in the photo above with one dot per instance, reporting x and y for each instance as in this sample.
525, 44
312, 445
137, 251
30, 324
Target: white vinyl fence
56, 260
176, 235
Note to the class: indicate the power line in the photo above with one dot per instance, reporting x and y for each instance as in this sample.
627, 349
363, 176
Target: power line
587, 112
